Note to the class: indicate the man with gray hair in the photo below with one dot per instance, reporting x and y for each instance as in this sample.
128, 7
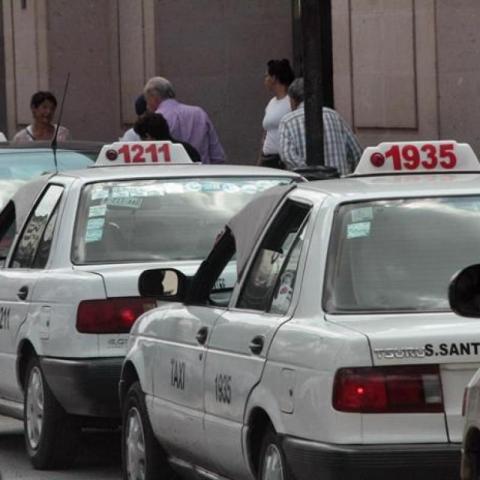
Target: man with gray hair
341, 147
187, 123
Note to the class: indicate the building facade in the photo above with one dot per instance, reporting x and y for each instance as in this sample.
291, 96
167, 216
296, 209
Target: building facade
402, 69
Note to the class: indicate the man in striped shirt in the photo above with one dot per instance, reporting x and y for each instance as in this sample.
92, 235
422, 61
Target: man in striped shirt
341, 147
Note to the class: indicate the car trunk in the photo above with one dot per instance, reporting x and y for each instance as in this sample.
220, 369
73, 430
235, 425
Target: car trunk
444, 339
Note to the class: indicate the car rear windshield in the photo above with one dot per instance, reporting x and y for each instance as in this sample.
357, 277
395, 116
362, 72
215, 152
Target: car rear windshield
399, 255
161, 219
26, 164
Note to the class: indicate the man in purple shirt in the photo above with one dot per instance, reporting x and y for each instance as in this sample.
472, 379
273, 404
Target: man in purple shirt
187, 122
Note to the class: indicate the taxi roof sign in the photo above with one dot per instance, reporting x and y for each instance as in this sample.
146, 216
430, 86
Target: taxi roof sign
142, 153
417, 157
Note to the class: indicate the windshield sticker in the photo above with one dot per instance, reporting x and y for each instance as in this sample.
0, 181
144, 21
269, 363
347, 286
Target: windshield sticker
358, 230
99, 194
230, 188
193, 187
362, 214
97, 211
94, 223
129, 202
93, 235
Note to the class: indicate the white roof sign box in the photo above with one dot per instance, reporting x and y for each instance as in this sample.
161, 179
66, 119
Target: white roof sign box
418, 157
142, 153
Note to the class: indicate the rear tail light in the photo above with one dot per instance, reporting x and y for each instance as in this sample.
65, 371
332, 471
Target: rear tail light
113, 315
403, 389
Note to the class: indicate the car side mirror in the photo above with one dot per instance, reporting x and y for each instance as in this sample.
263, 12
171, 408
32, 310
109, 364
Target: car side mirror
464, 292
164, 284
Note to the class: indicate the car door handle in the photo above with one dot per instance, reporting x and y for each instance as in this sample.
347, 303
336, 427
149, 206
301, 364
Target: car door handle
256, 345
22, 293
202, 335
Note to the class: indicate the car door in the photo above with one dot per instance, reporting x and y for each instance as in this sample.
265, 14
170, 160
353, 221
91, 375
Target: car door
181, 336
17, 281
239, 343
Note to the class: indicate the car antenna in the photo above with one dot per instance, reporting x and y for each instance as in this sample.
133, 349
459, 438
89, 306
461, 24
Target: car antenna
54, 139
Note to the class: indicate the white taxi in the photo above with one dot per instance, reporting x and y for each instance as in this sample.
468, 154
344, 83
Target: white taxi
72, 246
335, 355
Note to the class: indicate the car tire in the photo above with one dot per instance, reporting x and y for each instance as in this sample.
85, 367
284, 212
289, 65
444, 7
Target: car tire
272, 464
51, 435
142, 455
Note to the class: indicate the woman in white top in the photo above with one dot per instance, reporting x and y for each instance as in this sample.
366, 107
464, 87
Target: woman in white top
43, 106
278, 77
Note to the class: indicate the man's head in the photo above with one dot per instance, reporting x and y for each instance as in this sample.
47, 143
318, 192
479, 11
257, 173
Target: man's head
152, 126
156, 90
296, 93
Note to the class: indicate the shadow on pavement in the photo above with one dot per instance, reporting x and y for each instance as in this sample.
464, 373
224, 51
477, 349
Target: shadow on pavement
98, 450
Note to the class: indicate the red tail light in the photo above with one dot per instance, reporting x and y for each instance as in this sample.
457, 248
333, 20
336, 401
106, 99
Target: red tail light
400, 389
113, 315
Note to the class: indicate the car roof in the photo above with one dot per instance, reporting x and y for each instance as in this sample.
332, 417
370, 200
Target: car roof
177, 171
381, 186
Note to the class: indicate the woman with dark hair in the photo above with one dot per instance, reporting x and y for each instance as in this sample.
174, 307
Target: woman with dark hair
153, 126
278, 77
43, 106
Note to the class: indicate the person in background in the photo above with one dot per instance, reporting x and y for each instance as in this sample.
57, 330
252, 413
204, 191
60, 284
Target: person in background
153, 126
43, 106
140, 109
278, 77
341, 148
187, 123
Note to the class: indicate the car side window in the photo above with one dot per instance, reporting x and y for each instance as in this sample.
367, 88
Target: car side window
282, 295
274, 253
215, 278
43, 250
7, 230
35, 231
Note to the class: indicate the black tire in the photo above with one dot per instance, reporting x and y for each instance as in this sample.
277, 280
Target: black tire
271, 440
155, 464
56, 444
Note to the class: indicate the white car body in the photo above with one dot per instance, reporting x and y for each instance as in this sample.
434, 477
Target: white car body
39, 306
210, 404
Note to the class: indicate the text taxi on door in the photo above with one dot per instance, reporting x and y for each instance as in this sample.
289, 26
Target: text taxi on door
72, 246
336, 354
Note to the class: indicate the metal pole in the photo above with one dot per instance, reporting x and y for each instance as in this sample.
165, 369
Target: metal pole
316, 33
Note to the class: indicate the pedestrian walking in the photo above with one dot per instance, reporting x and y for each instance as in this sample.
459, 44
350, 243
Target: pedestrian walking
187, 123
153, 126
140, 109
43, 105
278, 76
341, 147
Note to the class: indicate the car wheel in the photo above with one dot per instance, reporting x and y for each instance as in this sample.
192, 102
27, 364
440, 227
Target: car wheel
272, 465
51, 435
142, 455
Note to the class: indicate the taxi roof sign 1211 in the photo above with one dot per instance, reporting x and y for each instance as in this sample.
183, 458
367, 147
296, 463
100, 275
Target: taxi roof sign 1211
418, 157
142, 153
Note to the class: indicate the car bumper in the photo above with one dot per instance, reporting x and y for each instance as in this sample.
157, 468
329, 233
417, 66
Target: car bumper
310, 460
87, 387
